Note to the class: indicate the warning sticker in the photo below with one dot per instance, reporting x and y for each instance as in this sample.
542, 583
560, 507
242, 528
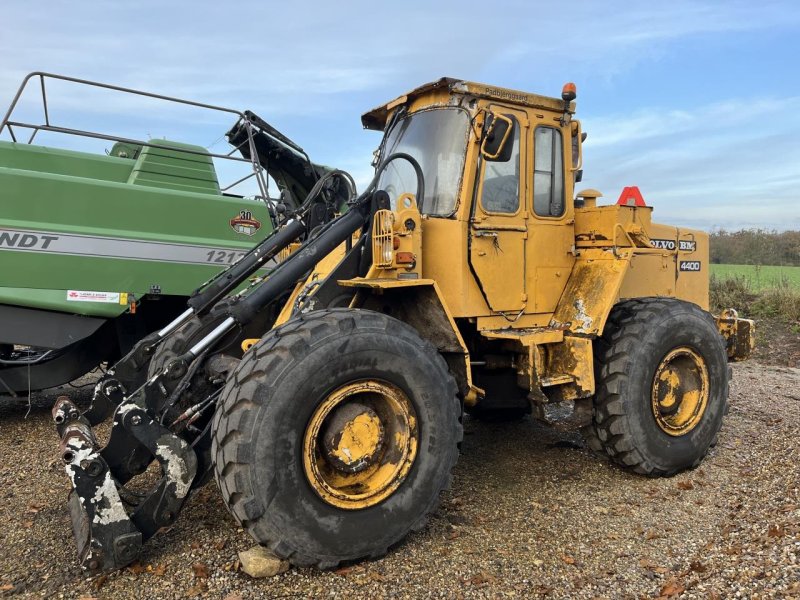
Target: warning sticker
86, 296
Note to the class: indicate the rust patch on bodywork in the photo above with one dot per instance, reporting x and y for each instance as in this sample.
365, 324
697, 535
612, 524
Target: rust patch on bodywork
591, 291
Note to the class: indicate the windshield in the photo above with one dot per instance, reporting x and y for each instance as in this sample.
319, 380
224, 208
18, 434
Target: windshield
438, 140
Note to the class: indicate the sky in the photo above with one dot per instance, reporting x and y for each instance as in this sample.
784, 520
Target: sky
697, 103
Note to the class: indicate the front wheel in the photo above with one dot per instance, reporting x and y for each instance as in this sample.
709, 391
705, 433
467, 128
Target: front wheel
336, 435
662, 386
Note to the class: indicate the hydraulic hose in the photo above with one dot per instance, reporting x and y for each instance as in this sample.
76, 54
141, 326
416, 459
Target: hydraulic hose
382, 167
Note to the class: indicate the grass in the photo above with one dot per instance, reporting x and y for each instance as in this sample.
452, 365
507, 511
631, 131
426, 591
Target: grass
759, 291
759, 277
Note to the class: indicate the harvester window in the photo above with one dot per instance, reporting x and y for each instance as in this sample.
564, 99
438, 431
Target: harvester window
548, 173
500, 192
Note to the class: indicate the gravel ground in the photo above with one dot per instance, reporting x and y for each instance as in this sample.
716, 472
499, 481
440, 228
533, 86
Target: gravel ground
531, 514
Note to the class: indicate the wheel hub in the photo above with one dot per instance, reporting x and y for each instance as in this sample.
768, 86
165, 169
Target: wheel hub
360, 443
353, 437
680, 391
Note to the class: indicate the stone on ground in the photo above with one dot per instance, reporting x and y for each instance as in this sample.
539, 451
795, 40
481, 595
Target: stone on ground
260, 562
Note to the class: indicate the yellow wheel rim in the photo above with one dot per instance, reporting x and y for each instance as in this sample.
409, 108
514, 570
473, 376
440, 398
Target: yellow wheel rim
360, 443
680, 391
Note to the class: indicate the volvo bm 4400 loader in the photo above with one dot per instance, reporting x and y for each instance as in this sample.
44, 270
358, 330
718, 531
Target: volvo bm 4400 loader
326, 400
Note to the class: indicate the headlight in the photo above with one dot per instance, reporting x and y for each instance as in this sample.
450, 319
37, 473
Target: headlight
382, 242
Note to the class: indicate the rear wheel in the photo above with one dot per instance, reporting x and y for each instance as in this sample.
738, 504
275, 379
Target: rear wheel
336, 435
662, 386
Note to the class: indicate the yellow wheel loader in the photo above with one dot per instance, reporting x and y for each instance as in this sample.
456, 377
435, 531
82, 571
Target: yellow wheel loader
327, 398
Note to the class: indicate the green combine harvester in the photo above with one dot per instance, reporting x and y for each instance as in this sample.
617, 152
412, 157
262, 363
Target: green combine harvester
97, 250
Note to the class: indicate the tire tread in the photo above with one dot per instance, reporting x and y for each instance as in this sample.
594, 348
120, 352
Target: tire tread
610, 430
292, 340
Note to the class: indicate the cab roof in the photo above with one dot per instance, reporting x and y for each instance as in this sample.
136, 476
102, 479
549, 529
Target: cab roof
376, 118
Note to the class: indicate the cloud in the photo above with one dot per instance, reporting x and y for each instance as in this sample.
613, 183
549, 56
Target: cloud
300, 58
310, 68
722, 164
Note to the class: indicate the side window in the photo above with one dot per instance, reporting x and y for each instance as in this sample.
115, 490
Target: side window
548, 173
500, 193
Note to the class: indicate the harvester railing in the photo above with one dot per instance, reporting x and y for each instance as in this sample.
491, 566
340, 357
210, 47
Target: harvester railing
48, 126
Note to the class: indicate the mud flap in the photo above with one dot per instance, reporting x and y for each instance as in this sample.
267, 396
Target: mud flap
111, 523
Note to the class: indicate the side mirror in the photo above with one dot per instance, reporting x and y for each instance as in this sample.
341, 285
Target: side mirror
498, 133
578, 138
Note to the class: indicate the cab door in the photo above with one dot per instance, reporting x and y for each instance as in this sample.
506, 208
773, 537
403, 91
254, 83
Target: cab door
498, 225
552, 226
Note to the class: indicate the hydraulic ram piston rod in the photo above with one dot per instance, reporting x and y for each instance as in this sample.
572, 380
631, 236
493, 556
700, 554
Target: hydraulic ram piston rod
177, 322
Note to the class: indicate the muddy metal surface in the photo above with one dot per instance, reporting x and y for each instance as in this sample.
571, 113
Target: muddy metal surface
531, 514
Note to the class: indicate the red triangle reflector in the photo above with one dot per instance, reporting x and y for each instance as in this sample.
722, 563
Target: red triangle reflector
631, 196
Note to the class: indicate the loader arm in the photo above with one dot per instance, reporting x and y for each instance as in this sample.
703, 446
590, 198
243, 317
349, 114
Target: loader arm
109, 536
318, 207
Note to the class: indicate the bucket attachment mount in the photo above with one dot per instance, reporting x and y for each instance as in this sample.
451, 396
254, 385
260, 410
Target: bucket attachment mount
111, 522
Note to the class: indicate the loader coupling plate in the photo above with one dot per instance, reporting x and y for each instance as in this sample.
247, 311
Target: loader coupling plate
111, 522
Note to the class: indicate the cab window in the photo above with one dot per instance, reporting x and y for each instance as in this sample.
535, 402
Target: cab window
548, 173
500, 191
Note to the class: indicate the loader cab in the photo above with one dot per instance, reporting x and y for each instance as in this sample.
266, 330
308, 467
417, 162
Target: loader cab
499, 169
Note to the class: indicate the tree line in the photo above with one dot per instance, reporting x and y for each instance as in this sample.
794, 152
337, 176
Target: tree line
755, 247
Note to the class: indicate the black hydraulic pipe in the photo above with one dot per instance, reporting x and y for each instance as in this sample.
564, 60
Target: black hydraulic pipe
299, 263
229, 279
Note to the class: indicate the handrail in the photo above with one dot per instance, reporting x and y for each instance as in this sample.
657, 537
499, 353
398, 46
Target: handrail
7, 123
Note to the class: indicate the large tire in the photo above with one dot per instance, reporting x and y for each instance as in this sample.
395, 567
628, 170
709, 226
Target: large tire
264, 424
662, 386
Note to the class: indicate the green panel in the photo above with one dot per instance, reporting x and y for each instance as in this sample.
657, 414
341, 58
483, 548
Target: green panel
44, 201
56, 229
64, 162
56, 300
160, 167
